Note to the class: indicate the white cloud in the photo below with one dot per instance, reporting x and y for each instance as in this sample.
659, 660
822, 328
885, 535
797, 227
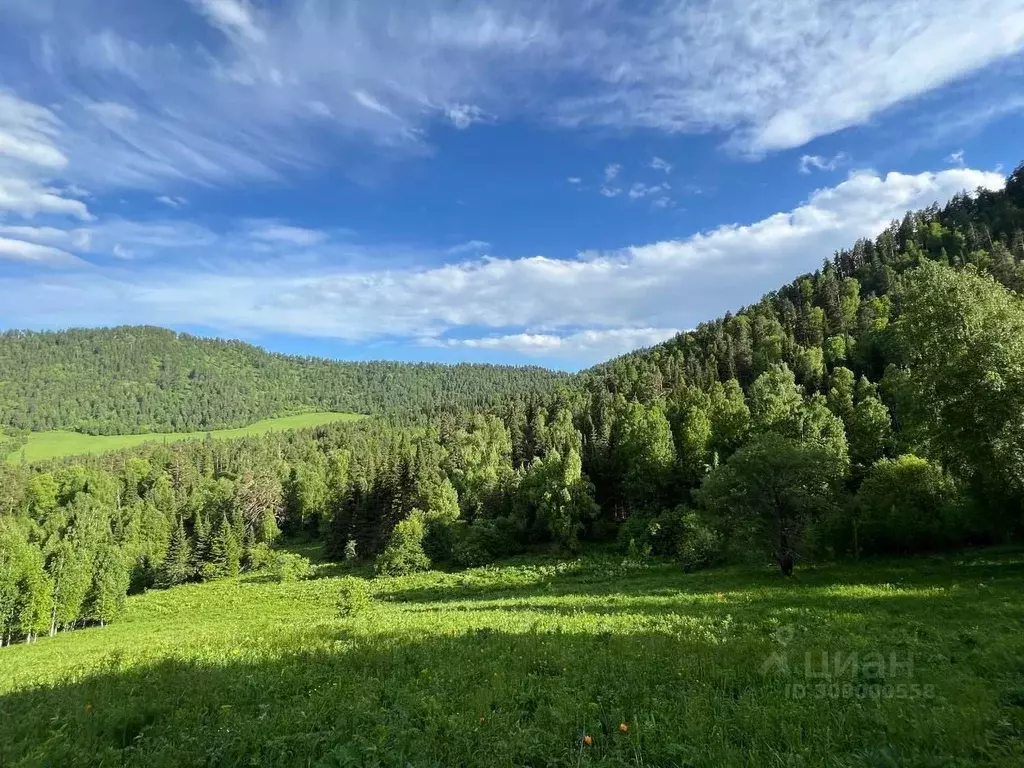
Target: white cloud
274, 232
640, 190
464, 115
575, 180
665, 285
111, 112
956, 158
371, 103
33, 253
588, 346
27, 197
611, 171
661, 165
470, 246
30, 158
819, 163
777, 75
78, 239
172, 202
232, 16
610, 191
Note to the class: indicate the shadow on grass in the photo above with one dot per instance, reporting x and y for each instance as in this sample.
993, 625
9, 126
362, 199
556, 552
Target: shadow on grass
613, 577
491, 697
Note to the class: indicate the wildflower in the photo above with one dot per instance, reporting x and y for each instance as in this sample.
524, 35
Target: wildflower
88, 707
587, 740
624, 727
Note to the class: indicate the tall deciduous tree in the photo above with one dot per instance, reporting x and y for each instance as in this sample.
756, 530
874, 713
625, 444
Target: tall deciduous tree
962, 335
770, 491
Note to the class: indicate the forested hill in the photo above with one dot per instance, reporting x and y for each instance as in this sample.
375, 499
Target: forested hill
840, 315
137, 379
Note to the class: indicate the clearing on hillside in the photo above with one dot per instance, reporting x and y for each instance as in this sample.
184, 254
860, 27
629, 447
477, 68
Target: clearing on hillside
587, 662
58, 444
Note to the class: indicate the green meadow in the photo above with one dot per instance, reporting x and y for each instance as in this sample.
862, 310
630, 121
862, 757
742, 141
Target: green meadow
538, 662
57, 444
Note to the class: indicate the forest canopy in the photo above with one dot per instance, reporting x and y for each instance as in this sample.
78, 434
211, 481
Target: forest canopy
130, 380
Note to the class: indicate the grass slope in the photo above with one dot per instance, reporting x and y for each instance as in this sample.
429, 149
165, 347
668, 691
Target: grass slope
516, 665
57, 444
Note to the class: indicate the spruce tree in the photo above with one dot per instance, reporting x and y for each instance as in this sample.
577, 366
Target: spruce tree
225, 552
178, 566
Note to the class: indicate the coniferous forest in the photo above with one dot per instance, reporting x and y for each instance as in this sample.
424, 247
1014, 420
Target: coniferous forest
875, 407
133, 380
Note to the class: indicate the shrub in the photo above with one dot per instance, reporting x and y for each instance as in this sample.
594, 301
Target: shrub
404, 552
699, 546
644, 534
634, 539
260, 557
484, 541
288, 566
350, 550
440, 538
678, 533
354, 598
906, 504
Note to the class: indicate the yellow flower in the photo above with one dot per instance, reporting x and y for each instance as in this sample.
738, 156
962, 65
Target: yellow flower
587, 740
624, 727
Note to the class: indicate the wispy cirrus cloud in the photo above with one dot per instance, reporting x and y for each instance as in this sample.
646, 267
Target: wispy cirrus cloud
30, 159
777, 75
268, 89
234, 17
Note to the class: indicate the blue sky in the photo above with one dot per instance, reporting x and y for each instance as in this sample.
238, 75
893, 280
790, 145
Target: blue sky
525, 182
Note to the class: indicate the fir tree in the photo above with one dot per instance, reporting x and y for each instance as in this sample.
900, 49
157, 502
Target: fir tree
178, 567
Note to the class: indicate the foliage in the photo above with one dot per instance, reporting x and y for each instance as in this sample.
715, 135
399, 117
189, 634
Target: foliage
906, 504
962, 336
770, 491
225, 551
484, 541
289, 566
140, 379
354, 597
404, 552
350, 550
700, 546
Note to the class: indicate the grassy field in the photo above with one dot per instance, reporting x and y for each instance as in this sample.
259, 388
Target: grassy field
56, 444
542, 663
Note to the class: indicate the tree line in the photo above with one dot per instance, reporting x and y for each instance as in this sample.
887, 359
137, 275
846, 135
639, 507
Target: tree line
131, 380
875, 407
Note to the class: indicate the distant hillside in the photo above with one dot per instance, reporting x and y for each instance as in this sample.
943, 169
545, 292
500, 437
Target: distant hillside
142, 379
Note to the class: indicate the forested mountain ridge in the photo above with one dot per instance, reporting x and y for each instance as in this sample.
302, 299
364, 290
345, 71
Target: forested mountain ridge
134, 379
816, 321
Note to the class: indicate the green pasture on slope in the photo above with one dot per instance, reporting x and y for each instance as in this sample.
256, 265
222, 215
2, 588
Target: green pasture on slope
57, 444
543, 663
